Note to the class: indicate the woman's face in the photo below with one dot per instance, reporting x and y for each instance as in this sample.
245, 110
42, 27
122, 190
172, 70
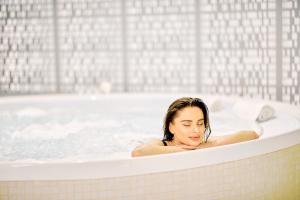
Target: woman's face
188, 126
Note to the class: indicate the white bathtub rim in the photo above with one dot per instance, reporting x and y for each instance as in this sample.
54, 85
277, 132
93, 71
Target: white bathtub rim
43, 98
146, 165
80, 97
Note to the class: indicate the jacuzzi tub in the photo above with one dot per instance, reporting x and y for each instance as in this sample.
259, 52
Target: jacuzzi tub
267, 168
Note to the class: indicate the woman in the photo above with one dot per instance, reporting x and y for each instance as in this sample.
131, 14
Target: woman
186, 127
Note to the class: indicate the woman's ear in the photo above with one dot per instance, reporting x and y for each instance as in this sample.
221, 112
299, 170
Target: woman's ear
171, 128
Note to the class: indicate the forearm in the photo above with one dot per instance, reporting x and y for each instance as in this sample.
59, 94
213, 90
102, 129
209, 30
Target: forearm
240, 136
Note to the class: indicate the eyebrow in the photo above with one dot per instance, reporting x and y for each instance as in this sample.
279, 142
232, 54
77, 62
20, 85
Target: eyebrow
187, 120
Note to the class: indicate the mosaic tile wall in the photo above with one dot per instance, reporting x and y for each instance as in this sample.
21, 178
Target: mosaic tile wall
161, 45
238, 51
90, 45
26, 47
291, 51
251, 48
248, 48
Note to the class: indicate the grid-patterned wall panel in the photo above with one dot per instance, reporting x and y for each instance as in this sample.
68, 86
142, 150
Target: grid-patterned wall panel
238, 47
291, 51
89, 45
26, 47
161, 45
249, 48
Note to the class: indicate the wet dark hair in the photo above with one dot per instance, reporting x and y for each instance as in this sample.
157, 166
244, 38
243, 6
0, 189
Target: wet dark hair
180, 104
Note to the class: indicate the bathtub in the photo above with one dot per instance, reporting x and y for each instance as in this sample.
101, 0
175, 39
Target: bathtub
266, 168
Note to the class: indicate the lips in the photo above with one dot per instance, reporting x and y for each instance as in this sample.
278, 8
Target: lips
196, 138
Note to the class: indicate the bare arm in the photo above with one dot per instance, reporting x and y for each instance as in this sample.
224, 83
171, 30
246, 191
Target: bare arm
240, 136
154, 147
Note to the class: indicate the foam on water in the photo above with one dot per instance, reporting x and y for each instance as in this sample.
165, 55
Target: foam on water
31, 112
77, 133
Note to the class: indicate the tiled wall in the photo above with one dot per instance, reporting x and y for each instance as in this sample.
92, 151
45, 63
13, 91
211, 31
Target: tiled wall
248, 48
161, 45
27, 58
291, 51
238, 52
273, 176
90, 44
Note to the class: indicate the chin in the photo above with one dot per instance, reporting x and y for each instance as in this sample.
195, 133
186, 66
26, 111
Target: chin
195, 143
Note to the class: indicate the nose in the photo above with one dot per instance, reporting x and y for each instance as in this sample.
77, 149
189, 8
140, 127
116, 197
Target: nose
196, 129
